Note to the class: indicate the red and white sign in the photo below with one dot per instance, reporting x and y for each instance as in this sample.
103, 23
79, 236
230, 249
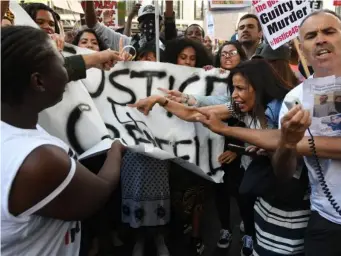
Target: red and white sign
280, 19
106, 12
337, 2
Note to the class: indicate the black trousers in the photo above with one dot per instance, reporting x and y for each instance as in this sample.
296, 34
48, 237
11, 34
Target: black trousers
101, 224
232, 179
322, 237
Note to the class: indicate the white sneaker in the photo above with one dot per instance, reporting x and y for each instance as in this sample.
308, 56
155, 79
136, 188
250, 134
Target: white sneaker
138, 248
241, 227
161, 246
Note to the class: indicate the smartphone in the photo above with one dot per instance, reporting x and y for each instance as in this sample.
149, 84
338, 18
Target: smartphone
240, 150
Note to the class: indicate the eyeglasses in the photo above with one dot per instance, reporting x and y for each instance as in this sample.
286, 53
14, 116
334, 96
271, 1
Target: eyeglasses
229, 54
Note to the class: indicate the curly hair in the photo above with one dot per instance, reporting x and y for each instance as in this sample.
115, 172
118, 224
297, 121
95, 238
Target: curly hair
102, 46
33, 8
176, 46
239, 48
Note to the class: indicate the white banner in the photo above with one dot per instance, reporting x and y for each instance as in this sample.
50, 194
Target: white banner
280, 20
93, 112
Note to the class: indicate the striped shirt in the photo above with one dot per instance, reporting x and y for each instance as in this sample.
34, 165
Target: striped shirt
280, 231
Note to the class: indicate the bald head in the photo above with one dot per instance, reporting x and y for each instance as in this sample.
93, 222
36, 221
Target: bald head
320, 12
320, 42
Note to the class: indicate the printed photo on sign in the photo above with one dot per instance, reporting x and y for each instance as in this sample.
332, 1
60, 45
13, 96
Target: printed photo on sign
331, 123
324, 105
323, 97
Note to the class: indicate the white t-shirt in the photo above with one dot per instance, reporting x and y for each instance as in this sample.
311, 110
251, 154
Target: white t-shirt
331, 171
29, 234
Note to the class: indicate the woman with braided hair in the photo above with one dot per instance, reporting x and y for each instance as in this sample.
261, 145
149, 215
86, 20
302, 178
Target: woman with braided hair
42, 187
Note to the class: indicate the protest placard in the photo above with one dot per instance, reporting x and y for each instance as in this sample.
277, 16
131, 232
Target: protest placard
210, 24
229, 4
280, 19
316, 5
106, 12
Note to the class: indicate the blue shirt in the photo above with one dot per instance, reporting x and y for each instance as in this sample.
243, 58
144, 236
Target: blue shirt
271, 112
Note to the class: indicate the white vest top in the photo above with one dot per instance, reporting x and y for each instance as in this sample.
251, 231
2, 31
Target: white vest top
29, 234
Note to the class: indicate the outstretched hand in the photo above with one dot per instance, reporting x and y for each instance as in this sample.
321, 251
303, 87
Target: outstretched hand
293, 126
107, 59
125, 56
145, 105
173, 95
210, 119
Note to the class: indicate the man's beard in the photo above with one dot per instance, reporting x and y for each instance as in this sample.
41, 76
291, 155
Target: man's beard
248, 43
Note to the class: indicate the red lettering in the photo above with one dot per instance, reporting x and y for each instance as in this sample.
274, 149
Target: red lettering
98, 4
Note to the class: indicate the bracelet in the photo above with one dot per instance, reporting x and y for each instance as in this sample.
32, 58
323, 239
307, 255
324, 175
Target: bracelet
165, 103
186, 98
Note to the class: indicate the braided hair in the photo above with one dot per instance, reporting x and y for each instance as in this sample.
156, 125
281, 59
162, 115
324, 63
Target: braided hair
33, 8
24, 51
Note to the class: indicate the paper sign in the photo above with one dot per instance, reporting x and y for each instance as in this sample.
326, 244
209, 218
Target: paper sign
280, 19
229, 4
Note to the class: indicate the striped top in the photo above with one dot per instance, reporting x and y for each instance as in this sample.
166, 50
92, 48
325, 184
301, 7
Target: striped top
280, 231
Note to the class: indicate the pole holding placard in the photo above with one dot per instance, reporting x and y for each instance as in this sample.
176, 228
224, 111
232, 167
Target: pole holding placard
302, 58
157, 31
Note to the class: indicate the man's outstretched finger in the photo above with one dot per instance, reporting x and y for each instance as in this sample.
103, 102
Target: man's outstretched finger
164, 90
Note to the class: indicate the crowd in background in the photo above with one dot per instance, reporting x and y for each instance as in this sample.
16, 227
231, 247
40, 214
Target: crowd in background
274, 213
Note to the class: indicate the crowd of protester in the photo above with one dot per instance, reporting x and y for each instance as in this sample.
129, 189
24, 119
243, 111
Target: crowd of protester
281, 204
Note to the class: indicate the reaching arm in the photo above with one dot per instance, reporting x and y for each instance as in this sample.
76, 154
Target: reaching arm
77, 65
46, 168
90, 14
170, 27
132, 14
127, 26
4, 8
195, 100
183, 112
109, 36
326, 147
